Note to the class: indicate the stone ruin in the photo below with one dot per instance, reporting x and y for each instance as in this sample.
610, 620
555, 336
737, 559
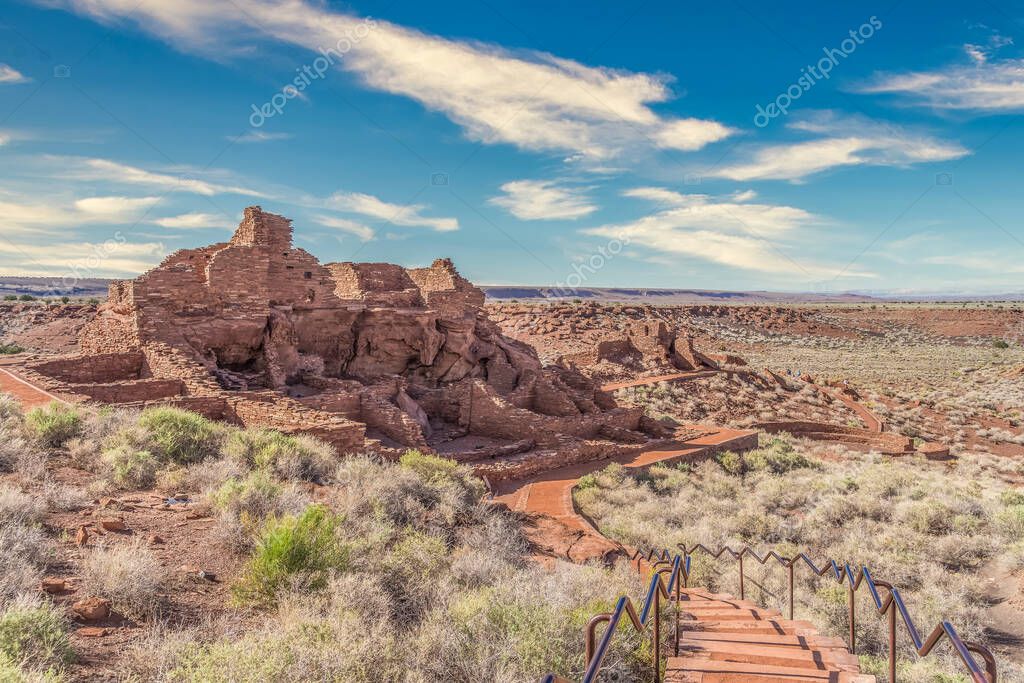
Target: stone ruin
648, 346
370, 357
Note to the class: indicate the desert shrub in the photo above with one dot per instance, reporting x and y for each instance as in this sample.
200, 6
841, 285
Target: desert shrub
54, 424
1011, 522
180, 437
429, 467
10, 349
34, 636
244, 503
290, 457
128, 575
130, 467
294, 551
779, 457
1000, 344
1012, 497
731, 462
24, 548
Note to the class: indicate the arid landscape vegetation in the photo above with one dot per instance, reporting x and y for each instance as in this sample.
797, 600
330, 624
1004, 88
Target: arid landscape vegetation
144, 541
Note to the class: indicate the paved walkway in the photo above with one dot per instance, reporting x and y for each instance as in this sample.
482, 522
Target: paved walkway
26, 394
559, 530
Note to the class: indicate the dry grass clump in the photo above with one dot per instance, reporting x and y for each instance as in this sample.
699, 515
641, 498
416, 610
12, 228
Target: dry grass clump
128, 575
403, 574
24, 548
927, 530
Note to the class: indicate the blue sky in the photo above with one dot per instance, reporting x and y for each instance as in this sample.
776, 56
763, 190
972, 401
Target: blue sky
801, 146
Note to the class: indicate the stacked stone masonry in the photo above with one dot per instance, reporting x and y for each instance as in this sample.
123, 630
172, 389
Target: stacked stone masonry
367, 356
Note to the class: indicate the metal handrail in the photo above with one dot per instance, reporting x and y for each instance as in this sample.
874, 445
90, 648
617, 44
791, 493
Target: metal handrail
649, 614
891, 604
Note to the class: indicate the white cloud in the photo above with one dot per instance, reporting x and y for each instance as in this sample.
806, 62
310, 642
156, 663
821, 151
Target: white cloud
10, 76
194, 220
722, 231
408, 216
112, 171
533, 100
259, 136
983, 85
113, 258
115, 209
537, 200
4, 138
363, 232
845, 141
27, 216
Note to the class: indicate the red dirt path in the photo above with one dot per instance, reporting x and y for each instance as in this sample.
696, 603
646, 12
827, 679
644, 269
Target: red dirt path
559, 530
23, 392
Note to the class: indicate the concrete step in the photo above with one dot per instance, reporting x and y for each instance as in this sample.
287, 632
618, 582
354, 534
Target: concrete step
768, 626
776, 655
803, 642
694, 670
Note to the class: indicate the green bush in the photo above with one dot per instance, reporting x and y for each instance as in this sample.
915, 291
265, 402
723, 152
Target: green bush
1011, 521
180, 437
130, 467
1000, 344
292, 552
730, 462
291, 457
1012, 497
54, 424
26, 297
10, 349
10, 297
778, 457
430, 468
34, 635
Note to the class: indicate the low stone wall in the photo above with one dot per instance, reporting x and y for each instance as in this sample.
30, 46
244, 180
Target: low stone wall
93, 369
271, 411
127, 392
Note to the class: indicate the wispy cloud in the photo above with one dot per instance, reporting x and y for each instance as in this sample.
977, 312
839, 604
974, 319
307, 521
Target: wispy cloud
10, 76
533, 100
113, 258
190, 221
843, 141
114, 172
723, 231
255, 136
540, 200
982, 85
22, 216
363, 232
396, 214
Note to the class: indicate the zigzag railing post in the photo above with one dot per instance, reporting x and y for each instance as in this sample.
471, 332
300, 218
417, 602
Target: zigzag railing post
853, 620
743, 590
892, 639
791, 598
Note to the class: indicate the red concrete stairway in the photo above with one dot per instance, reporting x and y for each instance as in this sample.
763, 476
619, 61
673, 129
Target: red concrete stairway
725, 640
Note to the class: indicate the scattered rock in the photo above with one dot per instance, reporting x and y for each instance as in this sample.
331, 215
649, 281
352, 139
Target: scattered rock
153, 539
52, 584
113, 525
92, 631
91, 609
82, 536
